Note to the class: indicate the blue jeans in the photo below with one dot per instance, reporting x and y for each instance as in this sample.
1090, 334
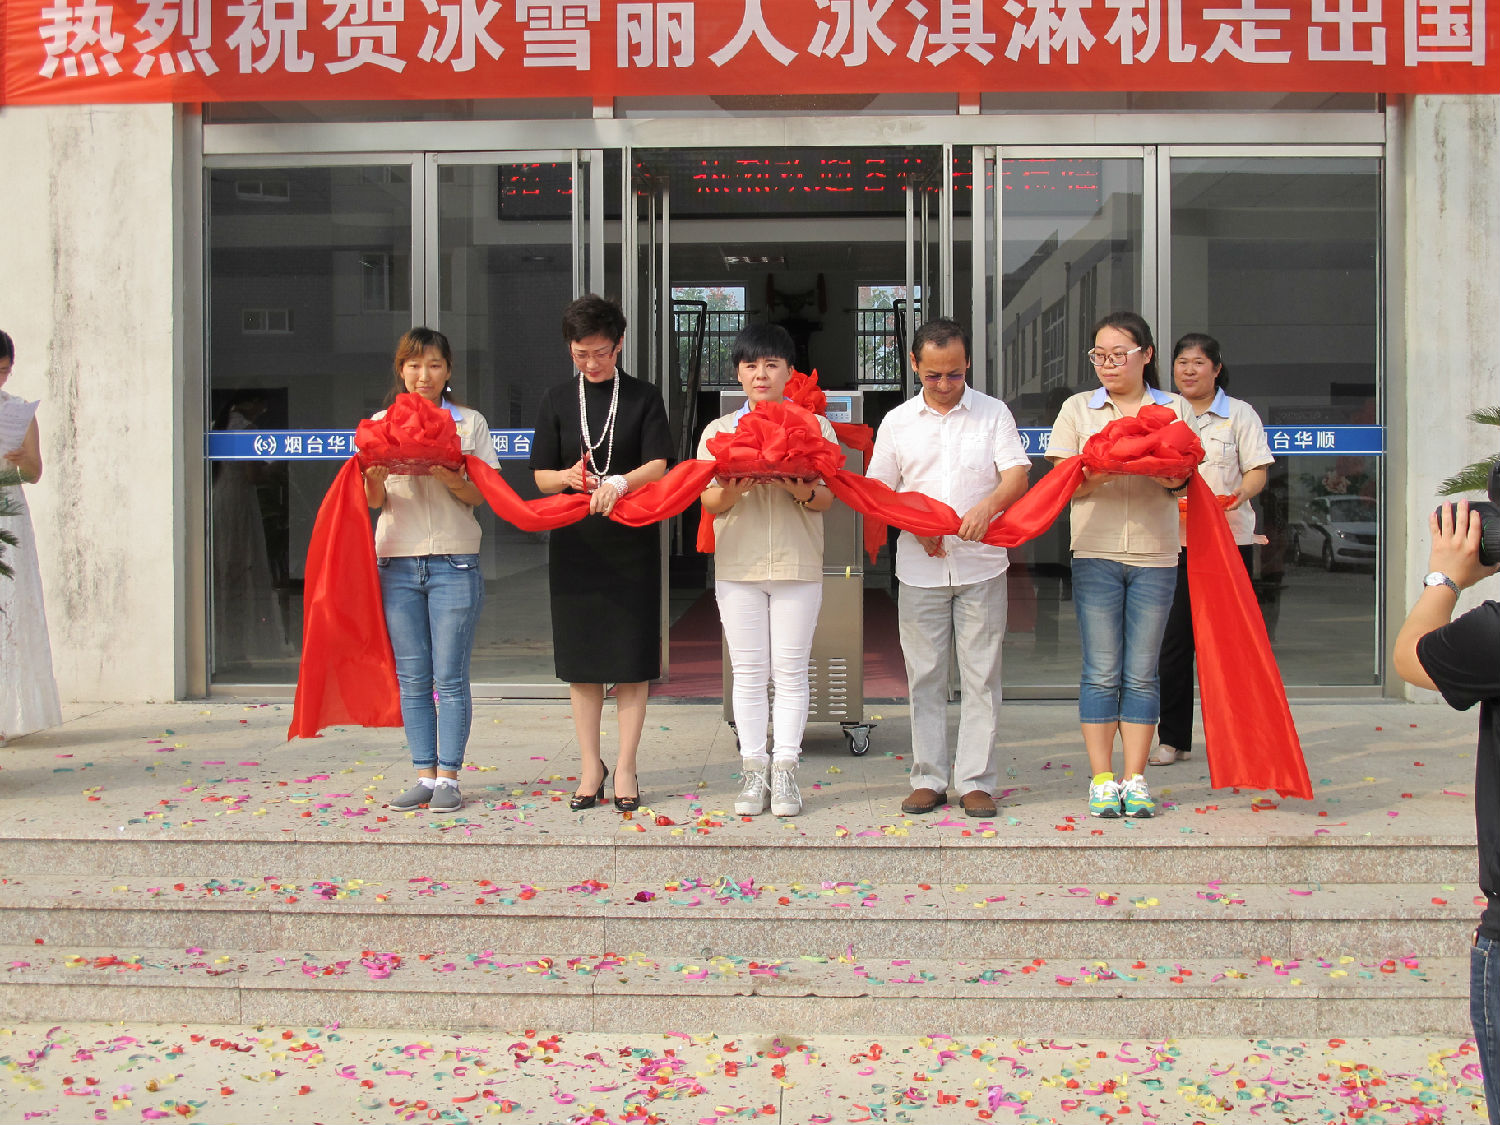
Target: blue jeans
431, 608
1484, 1013
1122, 612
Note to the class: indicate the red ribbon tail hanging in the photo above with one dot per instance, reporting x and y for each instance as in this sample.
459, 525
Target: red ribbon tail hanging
1248, 731
348, 673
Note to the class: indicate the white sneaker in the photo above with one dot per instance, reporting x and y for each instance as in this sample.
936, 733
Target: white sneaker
1163, 755
786, 799
755, 793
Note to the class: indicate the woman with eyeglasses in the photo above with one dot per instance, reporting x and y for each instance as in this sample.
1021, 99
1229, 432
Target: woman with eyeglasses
1235, 458
1125, 547
603, 433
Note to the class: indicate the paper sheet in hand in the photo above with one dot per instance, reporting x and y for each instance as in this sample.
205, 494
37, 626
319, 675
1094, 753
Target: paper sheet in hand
15, 415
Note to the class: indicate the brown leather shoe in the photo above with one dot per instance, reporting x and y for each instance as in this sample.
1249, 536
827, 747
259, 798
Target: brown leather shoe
977, 802
923, 801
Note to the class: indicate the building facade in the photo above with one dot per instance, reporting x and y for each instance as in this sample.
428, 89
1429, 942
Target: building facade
206, 296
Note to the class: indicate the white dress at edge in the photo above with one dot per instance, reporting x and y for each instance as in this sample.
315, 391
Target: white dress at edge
247, 617
28, 693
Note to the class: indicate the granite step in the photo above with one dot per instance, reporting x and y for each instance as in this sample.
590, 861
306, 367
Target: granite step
702, 918
829, 993
1074, 852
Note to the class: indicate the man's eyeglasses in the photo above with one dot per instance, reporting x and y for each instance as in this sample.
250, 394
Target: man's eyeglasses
951, 377
1111, 359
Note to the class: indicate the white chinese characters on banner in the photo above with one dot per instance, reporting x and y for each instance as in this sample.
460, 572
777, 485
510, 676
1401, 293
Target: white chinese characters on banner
72, 32
366, 33
1056, 25
465, 26
1242, 35
960, 28
1353, 31
557, 31
1131, 27
753, 25
656, 34
159, 21
276, 26
856, 26
1445, 31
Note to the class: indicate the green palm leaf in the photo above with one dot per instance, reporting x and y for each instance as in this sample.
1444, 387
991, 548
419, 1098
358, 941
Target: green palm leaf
1476, 477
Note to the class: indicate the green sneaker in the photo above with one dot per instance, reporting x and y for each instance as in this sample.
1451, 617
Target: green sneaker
1137, 799
1104, 798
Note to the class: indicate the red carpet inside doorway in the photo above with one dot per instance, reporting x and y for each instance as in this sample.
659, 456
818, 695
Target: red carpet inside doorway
696, 670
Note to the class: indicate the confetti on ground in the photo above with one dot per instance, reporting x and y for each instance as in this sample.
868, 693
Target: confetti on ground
94, 1072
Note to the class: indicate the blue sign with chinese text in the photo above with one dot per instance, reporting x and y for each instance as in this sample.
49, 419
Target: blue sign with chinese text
515, 445
1285, 441
327, 445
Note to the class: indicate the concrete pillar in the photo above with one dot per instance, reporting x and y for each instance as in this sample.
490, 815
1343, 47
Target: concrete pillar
1450, 303
91, 292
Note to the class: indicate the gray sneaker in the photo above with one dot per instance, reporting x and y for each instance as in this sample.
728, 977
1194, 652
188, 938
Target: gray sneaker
755, 792
414, 798
445, 798
786, 798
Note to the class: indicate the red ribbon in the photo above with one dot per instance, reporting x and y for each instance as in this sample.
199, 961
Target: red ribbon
348, 674
805, 392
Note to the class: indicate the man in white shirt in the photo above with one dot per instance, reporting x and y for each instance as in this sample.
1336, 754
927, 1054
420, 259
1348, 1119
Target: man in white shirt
961, 447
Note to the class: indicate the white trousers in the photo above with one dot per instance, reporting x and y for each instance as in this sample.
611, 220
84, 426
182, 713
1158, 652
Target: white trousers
768, 627
933, 619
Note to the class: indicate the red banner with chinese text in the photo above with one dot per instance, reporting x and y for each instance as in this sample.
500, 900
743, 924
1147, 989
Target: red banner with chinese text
84, 51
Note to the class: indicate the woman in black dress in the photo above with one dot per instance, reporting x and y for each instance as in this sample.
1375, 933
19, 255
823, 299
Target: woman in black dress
604, 433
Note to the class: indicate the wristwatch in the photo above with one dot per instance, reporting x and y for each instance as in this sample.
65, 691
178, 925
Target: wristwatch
1438, 578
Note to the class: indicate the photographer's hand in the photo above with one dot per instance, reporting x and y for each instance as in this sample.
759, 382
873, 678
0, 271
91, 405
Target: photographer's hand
1455, 552
1455, 544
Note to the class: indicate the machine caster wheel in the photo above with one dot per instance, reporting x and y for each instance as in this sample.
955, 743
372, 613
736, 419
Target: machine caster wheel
858, 738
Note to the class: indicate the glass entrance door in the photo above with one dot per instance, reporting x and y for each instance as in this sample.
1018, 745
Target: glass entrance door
834, 245
1072, 246
504, 260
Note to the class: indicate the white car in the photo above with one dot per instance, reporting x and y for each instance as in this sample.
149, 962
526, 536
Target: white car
1337, 531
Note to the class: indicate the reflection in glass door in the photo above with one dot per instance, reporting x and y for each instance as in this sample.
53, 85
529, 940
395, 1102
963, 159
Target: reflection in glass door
1072, 248
304, 307
1278, 257
824, 242
504, 267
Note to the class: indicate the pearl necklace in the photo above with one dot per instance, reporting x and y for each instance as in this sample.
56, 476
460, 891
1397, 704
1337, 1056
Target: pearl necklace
606, 435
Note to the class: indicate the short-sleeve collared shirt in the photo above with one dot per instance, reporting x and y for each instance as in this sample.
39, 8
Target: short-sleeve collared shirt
421, 516
1234, 441
766, 536
1130, 519
957, 458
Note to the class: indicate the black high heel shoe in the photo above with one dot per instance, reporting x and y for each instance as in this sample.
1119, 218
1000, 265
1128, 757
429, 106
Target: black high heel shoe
580, 801
628, 804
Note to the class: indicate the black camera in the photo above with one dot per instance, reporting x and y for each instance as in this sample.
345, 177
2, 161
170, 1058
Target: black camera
1489, 518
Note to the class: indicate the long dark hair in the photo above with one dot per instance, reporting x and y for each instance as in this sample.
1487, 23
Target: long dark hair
1134, 325
1210, 348
7, 347
412, 346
